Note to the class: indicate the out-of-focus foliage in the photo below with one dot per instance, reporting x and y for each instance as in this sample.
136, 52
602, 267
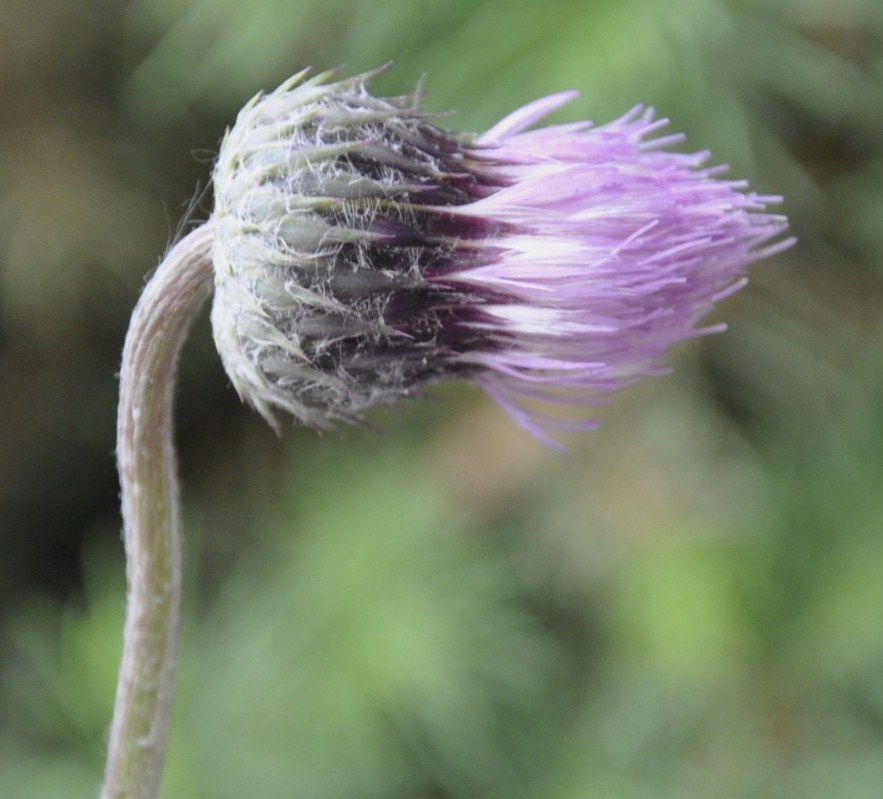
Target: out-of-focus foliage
686, 605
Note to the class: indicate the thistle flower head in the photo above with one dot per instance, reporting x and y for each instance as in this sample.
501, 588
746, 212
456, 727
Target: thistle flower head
363, 252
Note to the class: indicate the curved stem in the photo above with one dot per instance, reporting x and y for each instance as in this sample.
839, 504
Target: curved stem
148, 479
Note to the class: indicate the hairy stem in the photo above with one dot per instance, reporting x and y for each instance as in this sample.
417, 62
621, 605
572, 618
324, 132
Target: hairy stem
149, 483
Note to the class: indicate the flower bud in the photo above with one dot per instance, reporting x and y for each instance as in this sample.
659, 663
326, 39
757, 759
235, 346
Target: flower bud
362, 252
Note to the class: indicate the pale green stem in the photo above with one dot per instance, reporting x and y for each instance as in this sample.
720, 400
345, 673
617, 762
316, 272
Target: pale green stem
149, 483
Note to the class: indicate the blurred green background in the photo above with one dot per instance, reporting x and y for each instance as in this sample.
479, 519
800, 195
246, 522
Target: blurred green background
687, 604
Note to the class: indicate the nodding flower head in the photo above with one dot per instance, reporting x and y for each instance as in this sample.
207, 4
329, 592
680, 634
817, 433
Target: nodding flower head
362, 252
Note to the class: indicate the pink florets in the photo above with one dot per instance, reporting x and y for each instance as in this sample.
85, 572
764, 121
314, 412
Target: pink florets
621, 248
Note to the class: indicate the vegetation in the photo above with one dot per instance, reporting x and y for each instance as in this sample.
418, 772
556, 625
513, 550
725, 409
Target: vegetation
687, 604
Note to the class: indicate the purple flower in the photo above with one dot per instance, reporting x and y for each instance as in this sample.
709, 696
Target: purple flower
362, 252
